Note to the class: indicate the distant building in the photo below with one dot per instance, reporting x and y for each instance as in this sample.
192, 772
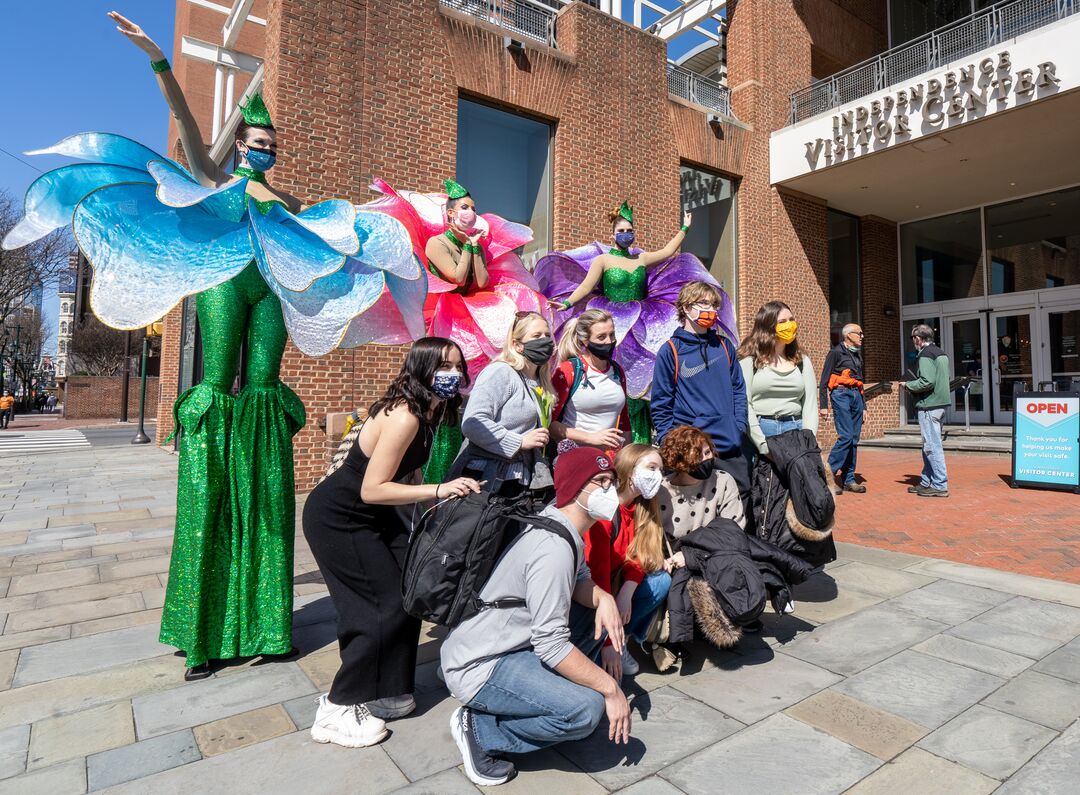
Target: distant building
66, 292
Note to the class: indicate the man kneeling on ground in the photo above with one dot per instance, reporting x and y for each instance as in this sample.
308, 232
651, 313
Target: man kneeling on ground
527, 676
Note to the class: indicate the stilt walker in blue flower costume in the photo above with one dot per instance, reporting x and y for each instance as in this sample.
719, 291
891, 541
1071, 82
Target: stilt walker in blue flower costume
262, 269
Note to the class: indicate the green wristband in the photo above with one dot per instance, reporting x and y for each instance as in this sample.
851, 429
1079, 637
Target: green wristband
472, 249
160, 66
566, 304
684, 229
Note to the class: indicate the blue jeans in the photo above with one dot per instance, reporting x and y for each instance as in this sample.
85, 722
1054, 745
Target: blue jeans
649, 595
525, 706
934, 473
847, 405
777, 427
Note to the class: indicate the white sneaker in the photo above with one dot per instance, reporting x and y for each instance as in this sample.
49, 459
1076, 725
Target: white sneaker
392, 707
630, 666
351, 726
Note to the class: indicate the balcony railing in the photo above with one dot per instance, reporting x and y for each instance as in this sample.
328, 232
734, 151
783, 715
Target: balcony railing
681, 82
527, 19
998, 23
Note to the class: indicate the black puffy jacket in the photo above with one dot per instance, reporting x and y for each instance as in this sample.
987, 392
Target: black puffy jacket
792, 505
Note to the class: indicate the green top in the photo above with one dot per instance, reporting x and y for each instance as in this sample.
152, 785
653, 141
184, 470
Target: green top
933, 381
771, 393
620, 285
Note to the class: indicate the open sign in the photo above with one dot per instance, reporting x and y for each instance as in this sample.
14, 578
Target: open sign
1047, 408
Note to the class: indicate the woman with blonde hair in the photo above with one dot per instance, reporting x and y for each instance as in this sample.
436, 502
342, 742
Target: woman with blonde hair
507, 417
590, 387
627, 555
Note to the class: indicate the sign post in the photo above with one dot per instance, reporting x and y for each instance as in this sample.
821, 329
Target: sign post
1046, 440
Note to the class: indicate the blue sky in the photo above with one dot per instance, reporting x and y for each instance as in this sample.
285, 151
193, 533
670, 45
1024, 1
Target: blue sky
65, 69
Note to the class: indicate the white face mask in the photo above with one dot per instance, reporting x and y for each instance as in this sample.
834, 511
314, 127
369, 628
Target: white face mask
601, 503
647, 481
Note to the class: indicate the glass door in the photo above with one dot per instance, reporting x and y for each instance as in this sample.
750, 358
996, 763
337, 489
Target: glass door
965, 346
1064, 330
1014, 367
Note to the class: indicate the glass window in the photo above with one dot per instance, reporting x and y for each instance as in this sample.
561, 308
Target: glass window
845, 304
909, 19
940, 258
1036, 241
1064, 353
188, 351
505, 162
710, 200
911, 369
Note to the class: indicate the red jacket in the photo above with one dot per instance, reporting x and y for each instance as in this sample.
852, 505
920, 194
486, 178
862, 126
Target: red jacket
606, 557
563, 378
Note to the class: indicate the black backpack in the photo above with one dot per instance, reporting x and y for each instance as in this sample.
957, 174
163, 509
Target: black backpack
455, 547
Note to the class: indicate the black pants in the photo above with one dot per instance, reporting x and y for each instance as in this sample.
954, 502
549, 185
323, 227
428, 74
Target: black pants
736, 464
377, 638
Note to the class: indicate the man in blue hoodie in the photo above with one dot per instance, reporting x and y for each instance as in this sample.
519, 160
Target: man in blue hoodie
697, 381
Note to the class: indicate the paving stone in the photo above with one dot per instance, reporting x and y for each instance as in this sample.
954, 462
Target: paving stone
240, 731
427, 728
651, 786
13, 744
756, 686
111, 516
777, 756
17, 604
1055, 769
944, 604
35, 702
134, 568
667, 725
877, 580
292, 763
861, 640
871, 729
920, 772
96, 590
547, 772
34, 583
923, 689
56, 740
111, 547
843, 604
26, 549
8, 659
989, 741
62, 555
66, 779
1011, 640
321, 667
302, 710
197, 703
998, 580
1065, 662
87, 654
1040, 698
70, 614
1050, 620
448, 782
61, 533
18, 640
88, 508
974, 655
139, 760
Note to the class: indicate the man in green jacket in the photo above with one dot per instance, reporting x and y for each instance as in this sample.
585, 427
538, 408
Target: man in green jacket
932, 391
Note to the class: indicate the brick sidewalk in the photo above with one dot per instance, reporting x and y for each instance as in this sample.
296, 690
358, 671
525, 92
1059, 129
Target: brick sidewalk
983, 522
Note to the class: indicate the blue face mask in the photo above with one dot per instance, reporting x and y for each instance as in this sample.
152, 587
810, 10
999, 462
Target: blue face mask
624, 239
447, 384
260, 159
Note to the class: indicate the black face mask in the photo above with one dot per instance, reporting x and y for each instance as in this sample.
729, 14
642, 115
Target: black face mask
702, 470
539, 351
601, 350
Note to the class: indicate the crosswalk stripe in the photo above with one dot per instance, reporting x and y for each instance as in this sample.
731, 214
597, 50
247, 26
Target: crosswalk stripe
15, 443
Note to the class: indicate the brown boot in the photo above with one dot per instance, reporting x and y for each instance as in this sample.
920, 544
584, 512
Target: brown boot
858, 488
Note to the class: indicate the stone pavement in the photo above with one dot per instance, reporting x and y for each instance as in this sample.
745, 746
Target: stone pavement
984, 521
897, 673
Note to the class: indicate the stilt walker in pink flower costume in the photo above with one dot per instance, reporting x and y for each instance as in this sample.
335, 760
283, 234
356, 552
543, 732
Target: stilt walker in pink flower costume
639, 289
476, 281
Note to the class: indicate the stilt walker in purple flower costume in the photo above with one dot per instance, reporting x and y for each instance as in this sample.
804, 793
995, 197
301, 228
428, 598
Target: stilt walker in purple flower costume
262, 269
639, 289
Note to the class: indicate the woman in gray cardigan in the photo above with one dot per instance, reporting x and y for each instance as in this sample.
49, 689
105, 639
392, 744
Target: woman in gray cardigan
509, 410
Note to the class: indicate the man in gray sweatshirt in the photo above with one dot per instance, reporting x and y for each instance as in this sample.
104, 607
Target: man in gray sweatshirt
527, 676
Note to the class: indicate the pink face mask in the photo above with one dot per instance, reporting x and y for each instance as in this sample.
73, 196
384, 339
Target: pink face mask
465, 219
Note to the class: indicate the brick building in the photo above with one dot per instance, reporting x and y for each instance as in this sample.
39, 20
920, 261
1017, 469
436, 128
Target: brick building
576, 106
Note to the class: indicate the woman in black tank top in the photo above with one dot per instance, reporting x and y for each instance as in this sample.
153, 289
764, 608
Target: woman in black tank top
359, 541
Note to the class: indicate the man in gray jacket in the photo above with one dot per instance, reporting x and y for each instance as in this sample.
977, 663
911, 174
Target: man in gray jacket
526, 676
932, 389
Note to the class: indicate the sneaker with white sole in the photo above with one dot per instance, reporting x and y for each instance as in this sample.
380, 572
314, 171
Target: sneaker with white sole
481, 768
352, 726
392, 707
630, 666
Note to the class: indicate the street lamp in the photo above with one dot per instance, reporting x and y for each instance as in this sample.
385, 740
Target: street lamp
153, 330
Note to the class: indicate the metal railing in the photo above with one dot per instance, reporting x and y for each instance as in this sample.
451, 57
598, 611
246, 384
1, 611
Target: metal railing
998, 23
681, 82
527, 19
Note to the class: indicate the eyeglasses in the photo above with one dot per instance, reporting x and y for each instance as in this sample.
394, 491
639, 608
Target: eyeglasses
603, 481
857, 333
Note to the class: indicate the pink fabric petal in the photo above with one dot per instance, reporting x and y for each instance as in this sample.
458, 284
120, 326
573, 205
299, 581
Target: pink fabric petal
503, 236
509, 267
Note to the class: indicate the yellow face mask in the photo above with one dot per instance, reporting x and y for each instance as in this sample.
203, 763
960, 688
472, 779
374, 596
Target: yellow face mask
785, 332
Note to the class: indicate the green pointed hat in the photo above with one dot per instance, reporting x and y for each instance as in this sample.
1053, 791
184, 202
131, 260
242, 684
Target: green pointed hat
255, 112
453, 190
626, 211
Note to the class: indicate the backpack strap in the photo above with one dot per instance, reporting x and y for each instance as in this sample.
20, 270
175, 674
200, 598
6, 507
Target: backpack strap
675, 353
575, 382
551, 526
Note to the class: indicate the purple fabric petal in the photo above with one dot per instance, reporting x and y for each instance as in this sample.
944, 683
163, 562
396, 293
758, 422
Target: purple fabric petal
638, 364
665, 279
625, 314
657, 323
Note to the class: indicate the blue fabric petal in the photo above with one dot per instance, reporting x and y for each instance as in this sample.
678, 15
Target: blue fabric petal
51, 198
99, 147
397, 318
176, 188
332, 220
147, 257
385, 244
293, 256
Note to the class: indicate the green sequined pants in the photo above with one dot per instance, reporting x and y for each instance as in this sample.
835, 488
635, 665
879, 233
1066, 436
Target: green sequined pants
640, 421
230, 578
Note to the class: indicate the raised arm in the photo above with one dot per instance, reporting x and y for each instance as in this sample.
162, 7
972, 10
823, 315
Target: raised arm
588, 284
205, 170
648, 258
